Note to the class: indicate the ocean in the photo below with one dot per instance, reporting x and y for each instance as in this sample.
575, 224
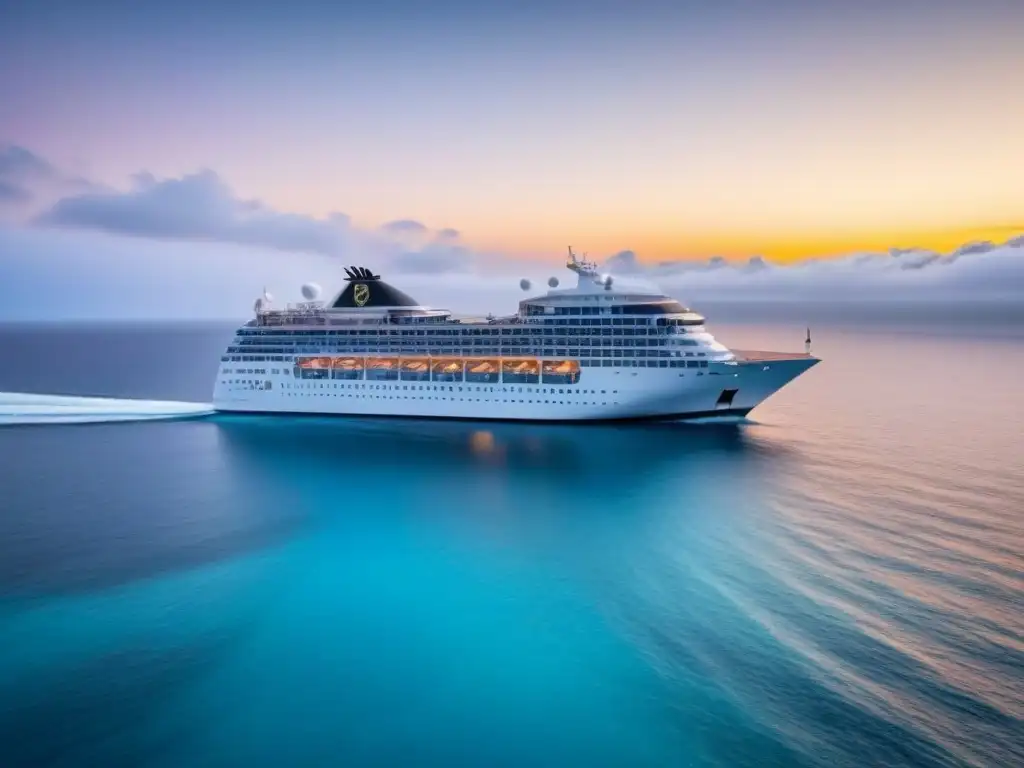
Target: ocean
839, 582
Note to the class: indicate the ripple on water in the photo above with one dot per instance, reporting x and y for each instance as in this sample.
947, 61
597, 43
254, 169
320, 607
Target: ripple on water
926, 590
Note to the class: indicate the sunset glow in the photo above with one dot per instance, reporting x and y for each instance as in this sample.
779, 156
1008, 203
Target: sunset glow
678, 131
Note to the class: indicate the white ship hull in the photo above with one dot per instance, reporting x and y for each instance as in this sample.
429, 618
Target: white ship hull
604, 350
724, 390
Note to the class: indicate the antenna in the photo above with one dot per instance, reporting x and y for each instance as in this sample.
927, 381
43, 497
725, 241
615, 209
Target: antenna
580, 266
807, 342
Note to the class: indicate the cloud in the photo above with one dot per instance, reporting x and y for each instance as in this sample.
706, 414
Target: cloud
72, 274
404, 227
409, 246
62, 274
198, 206
206, 251
975, 272
624, 263
18, 162
13, 193
202, 207
20, 170
434, 258
979, 246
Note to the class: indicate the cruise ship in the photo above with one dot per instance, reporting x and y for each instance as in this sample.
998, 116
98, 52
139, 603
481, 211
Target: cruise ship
602, 350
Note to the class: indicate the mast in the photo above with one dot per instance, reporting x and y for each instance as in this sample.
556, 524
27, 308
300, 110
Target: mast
580, 265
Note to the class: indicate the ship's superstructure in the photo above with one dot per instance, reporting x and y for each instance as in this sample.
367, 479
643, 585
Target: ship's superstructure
603, 350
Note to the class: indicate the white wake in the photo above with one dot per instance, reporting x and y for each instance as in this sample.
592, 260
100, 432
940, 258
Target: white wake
19, 408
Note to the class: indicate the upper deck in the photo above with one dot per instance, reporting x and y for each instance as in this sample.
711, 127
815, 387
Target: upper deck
762, 356
595, 300
601, 321
651, 313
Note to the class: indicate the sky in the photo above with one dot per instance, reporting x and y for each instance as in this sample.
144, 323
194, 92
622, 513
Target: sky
450, 135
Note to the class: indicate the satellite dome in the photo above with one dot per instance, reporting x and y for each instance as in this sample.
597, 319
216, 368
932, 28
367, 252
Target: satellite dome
524, 284
553, 282
310, 291
607, 281
267, 298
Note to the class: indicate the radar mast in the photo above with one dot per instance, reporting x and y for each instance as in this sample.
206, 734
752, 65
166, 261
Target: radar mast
580, 265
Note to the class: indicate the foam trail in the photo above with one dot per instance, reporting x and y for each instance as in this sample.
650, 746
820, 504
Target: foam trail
19, 408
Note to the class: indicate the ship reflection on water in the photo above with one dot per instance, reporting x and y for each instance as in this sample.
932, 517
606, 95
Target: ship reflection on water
579, 453
498, 481
231, 486
542, 496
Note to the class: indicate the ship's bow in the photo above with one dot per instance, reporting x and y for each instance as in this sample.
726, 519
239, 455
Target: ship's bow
759, 375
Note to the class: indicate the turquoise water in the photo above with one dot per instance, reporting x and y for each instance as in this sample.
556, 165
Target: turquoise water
837, 583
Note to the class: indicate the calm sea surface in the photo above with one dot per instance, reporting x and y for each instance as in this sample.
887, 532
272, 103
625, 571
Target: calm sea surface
839, 583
